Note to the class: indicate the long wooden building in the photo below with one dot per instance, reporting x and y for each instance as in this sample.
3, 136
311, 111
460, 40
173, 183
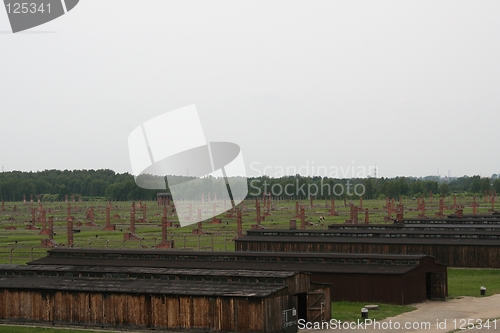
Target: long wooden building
161, 298
457, 248
352, 277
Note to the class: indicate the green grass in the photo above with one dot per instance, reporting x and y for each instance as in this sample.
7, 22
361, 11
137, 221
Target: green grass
467, 282
351, 311
31, 329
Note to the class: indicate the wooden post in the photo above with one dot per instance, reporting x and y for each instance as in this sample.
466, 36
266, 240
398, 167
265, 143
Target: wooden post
199, 230
215, 220
43, 220
400, 214
269, 204
257, 208
132, 222
353, 214
239, 222
389, 210
165, 243
332, 209
109, 226
474, 206
302, 218
33, 221
51, 227
70, 231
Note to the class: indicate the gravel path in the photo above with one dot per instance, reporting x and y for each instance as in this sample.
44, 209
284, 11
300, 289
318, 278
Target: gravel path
436, 317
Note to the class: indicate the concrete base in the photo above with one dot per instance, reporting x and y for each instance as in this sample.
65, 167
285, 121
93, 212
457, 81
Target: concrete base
44, 232
198, 232
130, 236
49, 243
169, 224
165, 245
31, 227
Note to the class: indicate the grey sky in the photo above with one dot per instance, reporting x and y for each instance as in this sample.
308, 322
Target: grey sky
409, 86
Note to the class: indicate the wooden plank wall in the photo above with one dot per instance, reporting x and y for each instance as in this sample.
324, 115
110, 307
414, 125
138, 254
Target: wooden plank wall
139, 310
476, 256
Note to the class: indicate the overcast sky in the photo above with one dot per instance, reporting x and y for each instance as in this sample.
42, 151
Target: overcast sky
412, 87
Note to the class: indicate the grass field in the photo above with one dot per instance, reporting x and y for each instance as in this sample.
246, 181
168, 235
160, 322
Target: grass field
20, 245
32, 329
349, 311
467, 282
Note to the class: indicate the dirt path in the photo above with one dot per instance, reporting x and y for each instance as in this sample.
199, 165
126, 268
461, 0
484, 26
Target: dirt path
436, 317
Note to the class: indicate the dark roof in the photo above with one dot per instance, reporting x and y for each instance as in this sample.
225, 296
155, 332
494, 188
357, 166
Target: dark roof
408, 232
415, 226
173, 252
379, 268
493, 219
372, 240
150, 270
163, 287
335, 263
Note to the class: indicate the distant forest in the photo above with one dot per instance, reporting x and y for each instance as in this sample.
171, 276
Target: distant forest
54, 185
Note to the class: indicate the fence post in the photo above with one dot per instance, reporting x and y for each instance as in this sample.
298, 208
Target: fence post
10, 256
199, 248
212, 242
31, 253
107, 243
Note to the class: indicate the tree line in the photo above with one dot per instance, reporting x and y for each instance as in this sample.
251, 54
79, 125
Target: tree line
106, 184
